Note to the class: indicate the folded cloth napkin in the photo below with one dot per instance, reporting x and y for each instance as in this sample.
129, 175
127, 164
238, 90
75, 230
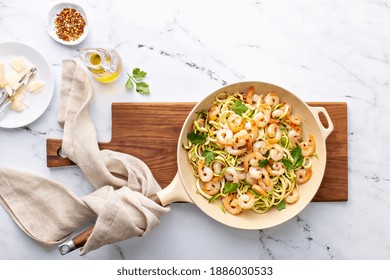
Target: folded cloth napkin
48, 212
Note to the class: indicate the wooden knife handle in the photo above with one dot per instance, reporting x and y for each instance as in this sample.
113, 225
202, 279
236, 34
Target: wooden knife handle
80, 240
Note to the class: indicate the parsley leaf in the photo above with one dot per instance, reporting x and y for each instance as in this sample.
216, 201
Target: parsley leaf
296, 154
129, 83
239, 108
230, 187
281, 205
136, 78
142, 88
196, 138
209, 156
263, 163
138, 75
299, 162
288, 164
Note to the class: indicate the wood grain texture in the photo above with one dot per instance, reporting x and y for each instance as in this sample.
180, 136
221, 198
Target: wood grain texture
334, 186
150, 131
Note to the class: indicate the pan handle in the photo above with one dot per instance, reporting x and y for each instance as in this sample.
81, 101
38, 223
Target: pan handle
174, 192
316, 112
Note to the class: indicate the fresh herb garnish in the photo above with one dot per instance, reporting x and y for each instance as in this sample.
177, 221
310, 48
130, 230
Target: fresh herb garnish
196, 138
263, 163
215, 197
230, 187
296, 154
209, 156
281, 205
239, 108
288, 164
136, 78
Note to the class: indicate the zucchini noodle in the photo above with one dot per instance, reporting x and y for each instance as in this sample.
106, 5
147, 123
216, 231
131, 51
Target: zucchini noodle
247, 152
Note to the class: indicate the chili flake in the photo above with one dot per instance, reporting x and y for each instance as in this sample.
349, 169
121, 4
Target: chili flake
69, 24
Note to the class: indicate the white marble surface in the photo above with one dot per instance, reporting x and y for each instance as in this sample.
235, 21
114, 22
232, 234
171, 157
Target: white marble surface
322, 50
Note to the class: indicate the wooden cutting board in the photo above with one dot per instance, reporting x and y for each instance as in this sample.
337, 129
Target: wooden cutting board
150, 131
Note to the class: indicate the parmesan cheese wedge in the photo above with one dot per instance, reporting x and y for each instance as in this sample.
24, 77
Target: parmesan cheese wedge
36, 86
17, 104
19, 64
11, 78
2, 74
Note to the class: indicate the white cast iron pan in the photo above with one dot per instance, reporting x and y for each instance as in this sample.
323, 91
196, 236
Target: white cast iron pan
183, 186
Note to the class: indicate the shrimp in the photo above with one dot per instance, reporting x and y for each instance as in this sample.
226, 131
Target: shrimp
250, 180
205, 173
276, 153
212, 187
231, 205
200, 122
286, 109
262, 119
297, 128
272, 99
266, 182
231, 174
256, 156
274, 133
224, 136
303, 175
252, 159
292, 197
257, 172
241, 138
276, 169
255, 98
261, 147
281, 112
262, 175
235, 151
235, 123
217, 167
246, 201
249, 96
261, 188
253, 131
294, 136
265, 108
213, 112
277, 113
308, 148
241, 175
295, 119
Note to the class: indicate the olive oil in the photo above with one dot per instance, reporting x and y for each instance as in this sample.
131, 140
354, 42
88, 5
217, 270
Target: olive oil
95, 59
104, 64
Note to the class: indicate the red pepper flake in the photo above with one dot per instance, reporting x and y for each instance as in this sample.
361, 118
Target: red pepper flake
69, 24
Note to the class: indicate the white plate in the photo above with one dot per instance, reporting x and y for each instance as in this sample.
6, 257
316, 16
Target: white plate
38, 102
50, 26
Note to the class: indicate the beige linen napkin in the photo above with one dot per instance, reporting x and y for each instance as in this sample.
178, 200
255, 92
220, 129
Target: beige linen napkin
48, 212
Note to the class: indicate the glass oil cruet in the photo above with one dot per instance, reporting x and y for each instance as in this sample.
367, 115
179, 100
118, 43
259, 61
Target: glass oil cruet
104, 64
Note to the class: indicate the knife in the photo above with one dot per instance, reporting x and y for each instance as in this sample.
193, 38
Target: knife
8, 95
